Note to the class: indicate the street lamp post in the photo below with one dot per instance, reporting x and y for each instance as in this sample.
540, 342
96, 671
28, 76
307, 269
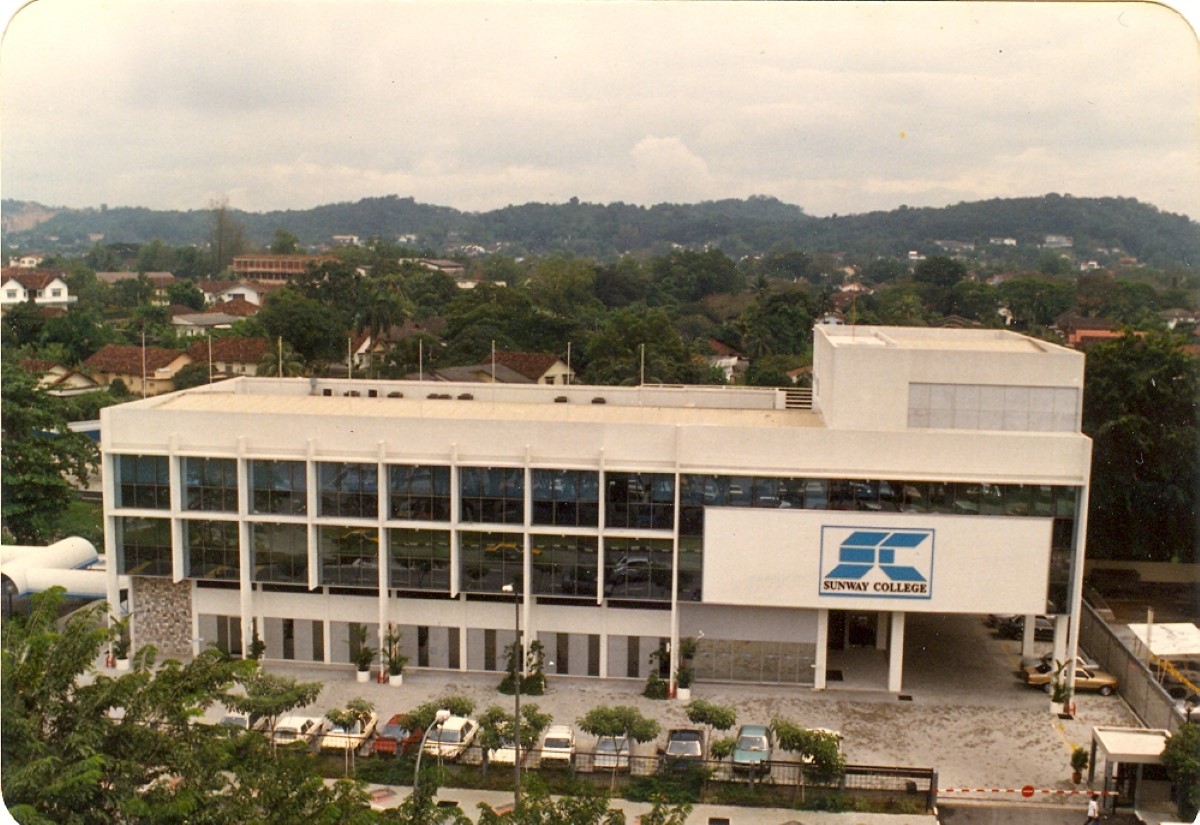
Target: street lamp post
518, 656
439, 719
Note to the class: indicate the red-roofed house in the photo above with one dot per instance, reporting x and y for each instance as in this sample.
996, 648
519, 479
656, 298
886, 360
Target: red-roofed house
725, 358
538, 367
47, 287
56, 379
130, 363
230, 356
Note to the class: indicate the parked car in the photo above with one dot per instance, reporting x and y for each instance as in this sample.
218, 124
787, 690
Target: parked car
451, 739
612, 753
303, 729
1085, 679
339, 738
558, 748
754, 749
239, 721
684, 750
506, 754
1014, 628
1048, 660
395, 736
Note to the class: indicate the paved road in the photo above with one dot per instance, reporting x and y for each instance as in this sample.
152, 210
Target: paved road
987, 814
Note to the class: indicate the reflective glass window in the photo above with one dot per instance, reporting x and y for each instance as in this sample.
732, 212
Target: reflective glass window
349, 556
565, 565
490, 561
566, 497
279, 553
143, 481
211, 549
144, 546
210, 484
492, 495
279, 487
349, 489
419, 559
640, 501
637, 569
419, 493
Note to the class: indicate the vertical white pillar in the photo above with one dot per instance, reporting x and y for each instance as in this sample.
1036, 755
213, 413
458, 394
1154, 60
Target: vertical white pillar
896, 653
1061, 632
881, 630
178, 536
245, 555
675, 660
381, 514
1027, 636
822, 653
528, 631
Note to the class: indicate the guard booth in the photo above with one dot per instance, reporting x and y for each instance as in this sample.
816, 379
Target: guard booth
1126, 752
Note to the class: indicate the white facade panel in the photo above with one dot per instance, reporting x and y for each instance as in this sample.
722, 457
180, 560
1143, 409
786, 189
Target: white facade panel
940, 563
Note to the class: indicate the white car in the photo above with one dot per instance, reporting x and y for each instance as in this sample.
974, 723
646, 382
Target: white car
558, 748
304, 729
453, 738
338, 738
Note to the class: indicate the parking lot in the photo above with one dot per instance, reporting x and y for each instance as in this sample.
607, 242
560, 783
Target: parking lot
965, 713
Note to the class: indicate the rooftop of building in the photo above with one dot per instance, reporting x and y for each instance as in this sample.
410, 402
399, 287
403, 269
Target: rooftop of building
725, 406
983, 341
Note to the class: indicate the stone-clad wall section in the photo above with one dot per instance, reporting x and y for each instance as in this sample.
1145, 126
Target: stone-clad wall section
162, 615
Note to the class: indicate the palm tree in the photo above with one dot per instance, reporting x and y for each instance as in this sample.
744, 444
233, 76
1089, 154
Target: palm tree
272, 365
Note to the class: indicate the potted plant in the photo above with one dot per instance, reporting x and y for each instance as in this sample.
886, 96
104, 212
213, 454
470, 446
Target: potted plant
121, 643
684, 673
1079, 763
393, 659
361, 653
257, 647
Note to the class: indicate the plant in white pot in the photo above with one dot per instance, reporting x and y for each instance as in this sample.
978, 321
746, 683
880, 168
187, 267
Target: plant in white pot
361, 653
393, 659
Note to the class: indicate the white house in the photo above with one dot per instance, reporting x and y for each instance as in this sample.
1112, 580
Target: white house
931, 471
47, 288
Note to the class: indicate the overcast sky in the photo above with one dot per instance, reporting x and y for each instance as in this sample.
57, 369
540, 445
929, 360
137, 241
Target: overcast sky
839, 107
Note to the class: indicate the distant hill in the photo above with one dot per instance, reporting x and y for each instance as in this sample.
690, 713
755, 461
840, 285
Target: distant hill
1115, 226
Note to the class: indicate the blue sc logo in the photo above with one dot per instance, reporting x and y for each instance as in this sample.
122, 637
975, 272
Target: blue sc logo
877, 562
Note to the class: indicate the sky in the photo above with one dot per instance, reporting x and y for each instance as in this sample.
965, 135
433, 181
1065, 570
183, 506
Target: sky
836, 107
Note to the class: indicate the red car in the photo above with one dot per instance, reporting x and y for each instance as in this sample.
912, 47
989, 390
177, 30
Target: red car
396, 737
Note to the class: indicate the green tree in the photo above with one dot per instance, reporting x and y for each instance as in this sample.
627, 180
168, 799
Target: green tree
192, 375
689, 276
226, 234
1035, 301
565, 287
1181, 758
820, 751
615, 353
80, 332
712, 716
284, 243
271, 367
155, 256
41, 460
22, 325
185, 293
537, 808
68, 757
496, 729
621, 721
263, 695
304, 323
1140, 409
131, 292
356, 713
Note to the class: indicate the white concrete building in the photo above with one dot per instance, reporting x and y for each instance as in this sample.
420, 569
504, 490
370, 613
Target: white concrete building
934, 471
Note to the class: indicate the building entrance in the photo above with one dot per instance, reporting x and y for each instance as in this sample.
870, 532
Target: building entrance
857, 650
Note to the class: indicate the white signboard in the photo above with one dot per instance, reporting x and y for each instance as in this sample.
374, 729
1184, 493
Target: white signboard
925, 562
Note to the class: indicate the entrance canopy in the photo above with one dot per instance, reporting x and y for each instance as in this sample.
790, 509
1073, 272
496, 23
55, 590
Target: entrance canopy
1168, 641
1130, 745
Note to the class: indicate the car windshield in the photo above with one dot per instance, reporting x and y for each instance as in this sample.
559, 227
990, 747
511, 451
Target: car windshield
610, 745
393, 731
558, 742
752, 743
684, 747
285, 734
449, 737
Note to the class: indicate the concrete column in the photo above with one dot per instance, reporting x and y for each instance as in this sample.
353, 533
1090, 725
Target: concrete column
881, 631
1027, 636
896, 653
1061, 631
822, 658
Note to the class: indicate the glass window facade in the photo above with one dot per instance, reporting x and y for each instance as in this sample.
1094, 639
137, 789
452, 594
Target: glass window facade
492, 495
143, 481
637, 569
349, 556
280, 487
566, 497
640, 501
144, 546
349, 489
279, 553
565, 565
419, 493
419, 559
211, 550
210, 484
490, 561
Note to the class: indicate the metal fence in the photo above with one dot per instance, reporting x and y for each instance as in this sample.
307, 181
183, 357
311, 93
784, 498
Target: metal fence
1138, 687
777, 782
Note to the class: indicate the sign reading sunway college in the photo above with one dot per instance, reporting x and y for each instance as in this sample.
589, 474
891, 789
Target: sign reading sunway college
872, 562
